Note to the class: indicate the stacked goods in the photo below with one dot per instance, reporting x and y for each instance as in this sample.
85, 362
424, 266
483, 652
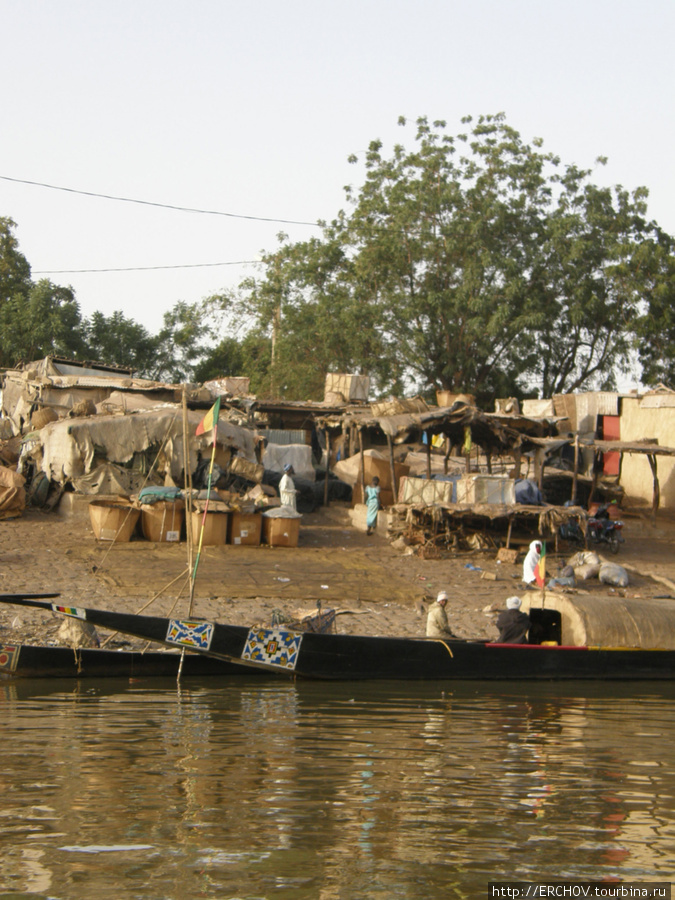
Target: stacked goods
396, 406
213, 524
447, 398
281, 532
163, 520
349, 387
245, 529
476, 489
423, 492
251, 471
113, 520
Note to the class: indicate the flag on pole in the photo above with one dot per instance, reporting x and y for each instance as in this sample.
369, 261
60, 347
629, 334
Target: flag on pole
540, 569
210, 420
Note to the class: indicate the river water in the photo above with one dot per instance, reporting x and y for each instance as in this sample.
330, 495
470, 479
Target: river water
252, 788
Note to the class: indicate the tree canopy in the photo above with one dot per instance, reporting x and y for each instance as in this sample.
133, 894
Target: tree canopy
475, 262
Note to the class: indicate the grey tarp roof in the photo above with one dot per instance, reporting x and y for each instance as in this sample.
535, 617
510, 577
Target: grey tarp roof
69, 445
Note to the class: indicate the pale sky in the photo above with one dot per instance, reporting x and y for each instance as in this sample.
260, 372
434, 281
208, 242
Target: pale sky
253, 108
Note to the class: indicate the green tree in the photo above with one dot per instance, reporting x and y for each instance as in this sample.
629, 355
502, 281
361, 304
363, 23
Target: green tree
45, 322
118, 341
305, 315
443, 239
654, 263
590, 283
249, 357
473, 263
179, 344
14, 268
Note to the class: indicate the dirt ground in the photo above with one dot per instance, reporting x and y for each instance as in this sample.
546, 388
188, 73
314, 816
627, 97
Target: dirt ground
375, 588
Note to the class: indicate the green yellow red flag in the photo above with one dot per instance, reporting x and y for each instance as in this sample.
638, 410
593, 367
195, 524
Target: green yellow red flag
210, 420
540, 570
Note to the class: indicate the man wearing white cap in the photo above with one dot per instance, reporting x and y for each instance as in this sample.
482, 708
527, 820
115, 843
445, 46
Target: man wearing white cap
512, 623
437, 619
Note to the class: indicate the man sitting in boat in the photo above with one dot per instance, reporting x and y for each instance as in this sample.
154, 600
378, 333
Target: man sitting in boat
512, 623
437, 619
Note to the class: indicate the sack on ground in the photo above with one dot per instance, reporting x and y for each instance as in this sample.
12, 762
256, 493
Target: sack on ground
583, 558
587, 571
614, 574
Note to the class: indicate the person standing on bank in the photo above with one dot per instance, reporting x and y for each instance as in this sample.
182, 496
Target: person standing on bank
287, 491
372, 504
530, 564
437, 619
513, 624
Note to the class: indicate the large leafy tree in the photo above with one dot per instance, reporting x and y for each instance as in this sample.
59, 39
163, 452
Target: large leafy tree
306, 305
249, 357
474, 262
591, 284
118, 341
14, 268
180, 342
44, 322
443, 237
36, 318
654, 264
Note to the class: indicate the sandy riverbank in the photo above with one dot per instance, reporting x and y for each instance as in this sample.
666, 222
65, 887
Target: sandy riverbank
377, 589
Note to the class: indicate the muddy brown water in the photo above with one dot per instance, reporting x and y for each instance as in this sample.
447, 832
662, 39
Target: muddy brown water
242, 789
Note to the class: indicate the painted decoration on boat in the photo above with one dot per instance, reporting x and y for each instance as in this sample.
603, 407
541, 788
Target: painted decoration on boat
273, 646
74, 611
9, 656
190, 634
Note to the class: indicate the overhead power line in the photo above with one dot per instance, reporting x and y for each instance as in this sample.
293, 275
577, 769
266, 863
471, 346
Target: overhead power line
241, 262
204, 212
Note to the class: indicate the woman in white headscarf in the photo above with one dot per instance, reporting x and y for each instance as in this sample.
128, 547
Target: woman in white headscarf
531, 562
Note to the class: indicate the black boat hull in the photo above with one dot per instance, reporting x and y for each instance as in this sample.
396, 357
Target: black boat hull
32, 661
348, 657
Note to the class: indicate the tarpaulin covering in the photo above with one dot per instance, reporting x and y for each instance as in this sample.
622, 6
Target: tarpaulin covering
12, 493
69, 446
610, 621
276, 456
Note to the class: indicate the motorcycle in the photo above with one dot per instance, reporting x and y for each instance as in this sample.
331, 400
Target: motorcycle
603, 530
572, 532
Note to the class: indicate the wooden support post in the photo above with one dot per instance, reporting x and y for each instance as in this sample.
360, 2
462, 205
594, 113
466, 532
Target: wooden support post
325, 485
539, 463
517, 454
594, 481
575, 476
428, 455
391, 466
447, 456
508, 532
657, 490
363, 466
488, 459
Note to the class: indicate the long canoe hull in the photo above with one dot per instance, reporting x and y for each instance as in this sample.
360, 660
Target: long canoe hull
348, 657
32, 661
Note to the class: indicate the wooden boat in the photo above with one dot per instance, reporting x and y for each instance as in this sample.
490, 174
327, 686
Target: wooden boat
30, 661
291, 653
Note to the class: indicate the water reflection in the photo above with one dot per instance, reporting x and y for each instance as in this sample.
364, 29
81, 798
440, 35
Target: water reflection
247, 789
